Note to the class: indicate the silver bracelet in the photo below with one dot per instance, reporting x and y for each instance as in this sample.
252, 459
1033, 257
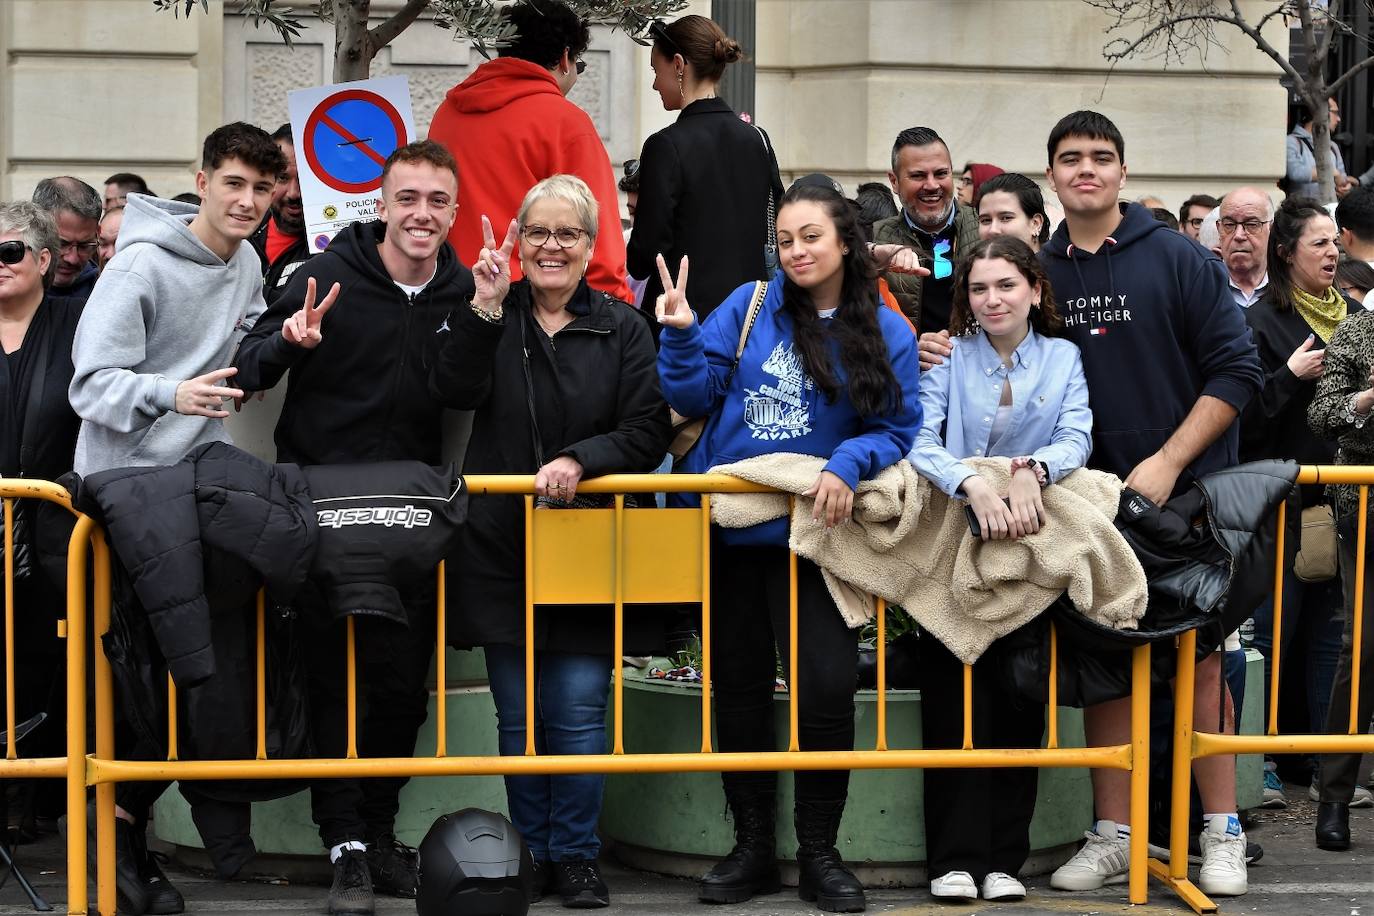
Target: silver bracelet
1356, 418
493, 317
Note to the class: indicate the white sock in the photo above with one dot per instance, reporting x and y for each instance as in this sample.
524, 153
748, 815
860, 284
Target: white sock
1123, 831
1232, 821
336, 851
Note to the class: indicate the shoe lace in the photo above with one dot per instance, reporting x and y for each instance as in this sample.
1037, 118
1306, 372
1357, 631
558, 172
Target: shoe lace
354, 870
580, 873
153, 863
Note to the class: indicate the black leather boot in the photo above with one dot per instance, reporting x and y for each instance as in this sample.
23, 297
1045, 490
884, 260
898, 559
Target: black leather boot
751, 868
824, 878
1333, 826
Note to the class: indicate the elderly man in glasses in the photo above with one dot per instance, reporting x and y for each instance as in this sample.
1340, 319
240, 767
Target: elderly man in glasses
75, 206
1246, 215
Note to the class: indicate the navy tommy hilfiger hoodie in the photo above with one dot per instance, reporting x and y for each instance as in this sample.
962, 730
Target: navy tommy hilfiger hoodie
1157, 327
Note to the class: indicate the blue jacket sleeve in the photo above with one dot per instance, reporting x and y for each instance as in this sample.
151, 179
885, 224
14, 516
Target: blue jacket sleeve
1222, 346
1072, 440
886, 438
694, 362
930, 457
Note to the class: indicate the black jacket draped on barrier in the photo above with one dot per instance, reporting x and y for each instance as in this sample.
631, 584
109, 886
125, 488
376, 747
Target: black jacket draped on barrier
1208, 556
597, 399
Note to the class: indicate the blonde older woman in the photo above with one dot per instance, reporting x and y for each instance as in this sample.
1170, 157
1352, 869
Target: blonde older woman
562, 378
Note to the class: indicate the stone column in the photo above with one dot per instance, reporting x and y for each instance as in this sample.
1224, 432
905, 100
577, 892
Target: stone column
737, 18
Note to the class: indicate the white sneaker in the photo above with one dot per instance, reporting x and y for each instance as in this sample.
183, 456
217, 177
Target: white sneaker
1362, 798
1002, 886
1223, 860
954, 885
1104, 859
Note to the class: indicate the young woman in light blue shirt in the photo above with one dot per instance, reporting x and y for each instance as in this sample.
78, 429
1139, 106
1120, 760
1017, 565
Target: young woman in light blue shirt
1010, 388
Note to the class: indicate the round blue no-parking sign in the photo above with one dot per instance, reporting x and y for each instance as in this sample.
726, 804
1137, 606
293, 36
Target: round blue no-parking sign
348, 137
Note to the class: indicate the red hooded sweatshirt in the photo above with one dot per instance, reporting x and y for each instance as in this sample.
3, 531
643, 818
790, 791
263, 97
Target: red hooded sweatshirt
509, 127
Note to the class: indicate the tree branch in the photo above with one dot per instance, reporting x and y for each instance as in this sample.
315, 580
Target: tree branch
382, 35
1345, 77
1167, 26
1265, 47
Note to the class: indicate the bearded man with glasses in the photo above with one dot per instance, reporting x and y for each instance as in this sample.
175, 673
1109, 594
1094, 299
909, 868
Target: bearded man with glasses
76, 207
1246, 215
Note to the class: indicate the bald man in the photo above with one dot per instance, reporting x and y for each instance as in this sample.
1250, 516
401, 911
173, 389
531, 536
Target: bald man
1246, 217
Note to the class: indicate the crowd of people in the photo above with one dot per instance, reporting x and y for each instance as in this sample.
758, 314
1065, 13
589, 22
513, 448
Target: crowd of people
939, 328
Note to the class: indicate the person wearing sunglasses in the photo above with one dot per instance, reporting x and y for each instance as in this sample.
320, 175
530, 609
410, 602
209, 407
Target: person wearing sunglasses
509, 125
562, 381
709, 181
37, 438
932, 222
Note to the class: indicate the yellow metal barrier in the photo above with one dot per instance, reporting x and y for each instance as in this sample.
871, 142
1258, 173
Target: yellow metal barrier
607, 556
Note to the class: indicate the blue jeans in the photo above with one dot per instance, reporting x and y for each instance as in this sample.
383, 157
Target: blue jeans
1316, 609
556, 815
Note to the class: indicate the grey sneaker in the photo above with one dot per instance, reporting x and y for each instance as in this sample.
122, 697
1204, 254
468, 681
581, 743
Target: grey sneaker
1102, 860
351, 893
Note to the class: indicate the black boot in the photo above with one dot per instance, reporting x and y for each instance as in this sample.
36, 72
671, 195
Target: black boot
824, 877
163, 897
130, 891
751, 868
1333, 826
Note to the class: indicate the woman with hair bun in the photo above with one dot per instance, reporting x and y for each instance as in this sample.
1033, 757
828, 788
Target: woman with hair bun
708, 181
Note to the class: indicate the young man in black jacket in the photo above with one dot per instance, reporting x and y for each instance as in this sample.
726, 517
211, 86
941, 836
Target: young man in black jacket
359, 360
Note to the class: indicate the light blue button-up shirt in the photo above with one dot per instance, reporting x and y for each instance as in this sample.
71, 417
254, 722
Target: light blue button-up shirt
1050, 418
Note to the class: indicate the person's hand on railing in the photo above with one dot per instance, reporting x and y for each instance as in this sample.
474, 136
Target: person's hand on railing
671, 307
995, 521
558, 479
834, 499
1027, 507
491, 273
303, 328
1307, 363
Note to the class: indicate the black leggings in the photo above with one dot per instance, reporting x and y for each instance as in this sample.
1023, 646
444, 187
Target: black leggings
749, 623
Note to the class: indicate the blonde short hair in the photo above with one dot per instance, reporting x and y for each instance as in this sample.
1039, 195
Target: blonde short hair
569, 189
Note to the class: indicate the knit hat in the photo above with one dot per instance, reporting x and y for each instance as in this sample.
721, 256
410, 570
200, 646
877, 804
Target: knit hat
981, 172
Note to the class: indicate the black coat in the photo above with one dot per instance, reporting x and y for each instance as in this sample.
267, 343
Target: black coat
597, 399
703, 192
362, 394
161, 520
1274, 423
41, 447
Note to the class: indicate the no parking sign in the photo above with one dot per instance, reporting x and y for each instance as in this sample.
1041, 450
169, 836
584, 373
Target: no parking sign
343, 135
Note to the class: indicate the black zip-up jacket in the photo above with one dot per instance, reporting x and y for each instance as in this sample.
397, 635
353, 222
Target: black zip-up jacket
363, 393
596, 397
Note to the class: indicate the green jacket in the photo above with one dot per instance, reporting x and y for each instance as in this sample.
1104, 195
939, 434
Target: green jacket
896, 230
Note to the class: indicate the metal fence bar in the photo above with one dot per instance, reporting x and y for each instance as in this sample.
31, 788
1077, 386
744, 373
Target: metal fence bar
261, 713
1361, 541
618, 654
1053, 738
706, 623
104, 729
78, 549
1276, 639
529, 624
881, 655
351, 679
440, 663
793, 695
10, 719
1140, 771
968, 707
171, 718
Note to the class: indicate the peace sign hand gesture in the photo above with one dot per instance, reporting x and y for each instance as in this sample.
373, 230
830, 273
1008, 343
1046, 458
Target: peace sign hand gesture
491, 273
672, 308
303, 328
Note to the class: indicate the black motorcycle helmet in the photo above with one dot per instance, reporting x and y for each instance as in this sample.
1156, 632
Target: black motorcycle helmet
474, 863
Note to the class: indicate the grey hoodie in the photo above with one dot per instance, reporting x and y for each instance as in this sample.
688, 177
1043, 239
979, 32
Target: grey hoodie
164, 310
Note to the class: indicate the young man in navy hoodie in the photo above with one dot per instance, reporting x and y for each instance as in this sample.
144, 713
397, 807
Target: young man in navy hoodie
1170, 364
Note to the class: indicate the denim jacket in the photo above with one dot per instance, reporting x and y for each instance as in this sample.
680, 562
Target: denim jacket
1050, 418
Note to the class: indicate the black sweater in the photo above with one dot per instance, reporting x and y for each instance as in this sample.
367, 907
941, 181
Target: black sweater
597, 399
363, 393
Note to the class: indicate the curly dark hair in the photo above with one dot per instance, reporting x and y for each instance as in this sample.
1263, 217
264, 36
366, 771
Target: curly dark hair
1045, 319
247, 143
543, 30
872, 385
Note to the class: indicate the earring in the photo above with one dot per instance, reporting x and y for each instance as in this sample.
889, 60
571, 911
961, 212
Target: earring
682, 93
844, 251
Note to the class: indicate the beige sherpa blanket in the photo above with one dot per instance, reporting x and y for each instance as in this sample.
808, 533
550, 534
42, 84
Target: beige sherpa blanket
910, 544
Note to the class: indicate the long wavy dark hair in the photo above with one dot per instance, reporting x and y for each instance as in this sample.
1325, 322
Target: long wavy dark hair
872, 385
1045, 318
1290, 222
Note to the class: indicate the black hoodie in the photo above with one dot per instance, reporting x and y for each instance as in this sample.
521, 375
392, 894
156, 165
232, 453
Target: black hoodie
1157, 328
363, 393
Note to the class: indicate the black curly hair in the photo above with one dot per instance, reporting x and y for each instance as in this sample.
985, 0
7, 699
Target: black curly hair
543, 29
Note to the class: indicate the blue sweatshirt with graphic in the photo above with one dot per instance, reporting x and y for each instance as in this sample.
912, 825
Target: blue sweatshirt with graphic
1157, 328
772, 405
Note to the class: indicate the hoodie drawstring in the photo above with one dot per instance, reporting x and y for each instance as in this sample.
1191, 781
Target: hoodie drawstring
1072, 252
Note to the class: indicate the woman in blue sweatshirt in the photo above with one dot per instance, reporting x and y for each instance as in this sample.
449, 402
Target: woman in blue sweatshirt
824, 372
1011, 387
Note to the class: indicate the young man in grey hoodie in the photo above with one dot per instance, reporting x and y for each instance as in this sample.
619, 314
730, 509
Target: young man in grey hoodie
150, 356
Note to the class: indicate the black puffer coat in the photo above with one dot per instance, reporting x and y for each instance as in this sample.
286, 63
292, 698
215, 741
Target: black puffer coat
161, 519
1208, 556
596, 397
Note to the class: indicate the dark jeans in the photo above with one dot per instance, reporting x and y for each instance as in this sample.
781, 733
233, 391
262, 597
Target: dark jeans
1314, 609
1337, 773
749, 631
977, 820
556, 815
393, 702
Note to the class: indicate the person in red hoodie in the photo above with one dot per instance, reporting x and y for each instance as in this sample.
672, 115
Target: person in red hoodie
509, 126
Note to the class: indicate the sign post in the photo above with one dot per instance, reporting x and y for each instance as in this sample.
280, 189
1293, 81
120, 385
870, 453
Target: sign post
343, 135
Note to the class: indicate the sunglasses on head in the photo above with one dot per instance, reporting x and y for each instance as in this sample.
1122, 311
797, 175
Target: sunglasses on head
659, 31
12, 252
